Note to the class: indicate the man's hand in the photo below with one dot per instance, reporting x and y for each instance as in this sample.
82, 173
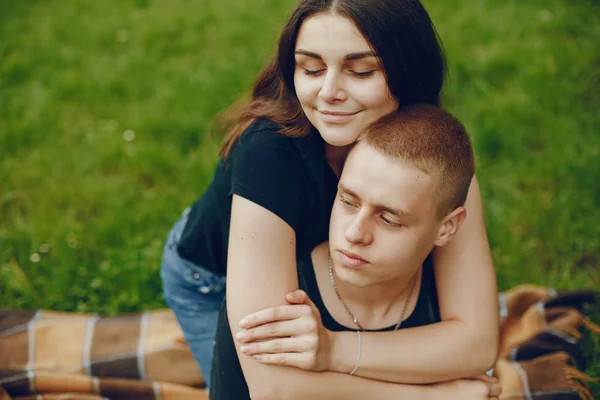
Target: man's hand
480, 387
291, 335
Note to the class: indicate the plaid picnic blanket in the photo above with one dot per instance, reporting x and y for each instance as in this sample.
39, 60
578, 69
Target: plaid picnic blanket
56, 355
48, 355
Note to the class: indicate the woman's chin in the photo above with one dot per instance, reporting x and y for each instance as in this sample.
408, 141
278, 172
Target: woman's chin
338, 138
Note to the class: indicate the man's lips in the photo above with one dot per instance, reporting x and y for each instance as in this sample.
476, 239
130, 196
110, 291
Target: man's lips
351, 260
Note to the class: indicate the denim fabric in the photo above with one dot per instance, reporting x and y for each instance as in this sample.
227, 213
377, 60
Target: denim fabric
195, 295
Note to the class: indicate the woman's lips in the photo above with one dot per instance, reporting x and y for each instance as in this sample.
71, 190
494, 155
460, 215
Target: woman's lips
351, 260
336, 117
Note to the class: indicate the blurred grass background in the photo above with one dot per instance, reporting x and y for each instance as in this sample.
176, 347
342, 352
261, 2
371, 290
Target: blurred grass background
104, 115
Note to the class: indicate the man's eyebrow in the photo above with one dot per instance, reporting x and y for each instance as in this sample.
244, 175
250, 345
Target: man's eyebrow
349, 57
399, 213
344, 189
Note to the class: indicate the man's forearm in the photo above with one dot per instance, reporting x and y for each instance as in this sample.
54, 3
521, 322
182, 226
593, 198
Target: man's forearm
434, 353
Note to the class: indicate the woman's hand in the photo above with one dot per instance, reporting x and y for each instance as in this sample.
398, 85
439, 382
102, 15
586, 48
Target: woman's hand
291, 335
480, 387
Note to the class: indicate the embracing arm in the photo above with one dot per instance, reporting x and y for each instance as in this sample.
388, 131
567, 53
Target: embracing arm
465, 342
261, 270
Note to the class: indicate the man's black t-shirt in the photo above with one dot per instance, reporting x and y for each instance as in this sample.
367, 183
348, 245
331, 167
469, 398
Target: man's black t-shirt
228, 381
287, 176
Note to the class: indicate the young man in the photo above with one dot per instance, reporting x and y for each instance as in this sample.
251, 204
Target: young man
400, 194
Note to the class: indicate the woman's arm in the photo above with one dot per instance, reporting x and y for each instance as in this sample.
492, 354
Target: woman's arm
465, 343
287, 383
261, 270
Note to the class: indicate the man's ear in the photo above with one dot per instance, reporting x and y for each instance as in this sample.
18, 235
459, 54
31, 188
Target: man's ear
450, 225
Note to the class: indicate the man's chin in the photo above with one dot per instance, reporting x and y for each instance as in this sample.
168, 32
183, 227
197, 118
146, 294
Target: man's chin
352, 276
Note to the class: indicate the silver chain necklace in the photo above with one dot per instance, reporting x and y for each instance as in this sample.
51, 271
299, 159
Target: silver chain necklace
412, 289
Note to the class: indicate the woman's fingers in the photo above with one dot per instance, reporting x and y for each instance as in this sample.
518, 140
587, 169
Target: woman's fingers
304, 361
281, 345
494, 389
273, 314
278, 329
291, 334
493, 385
297, 297
485, 378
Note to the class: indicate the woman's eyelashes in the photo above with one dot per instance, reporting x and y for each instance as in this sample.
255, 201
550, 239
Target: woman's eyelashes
313, 72
357, 74
362, 74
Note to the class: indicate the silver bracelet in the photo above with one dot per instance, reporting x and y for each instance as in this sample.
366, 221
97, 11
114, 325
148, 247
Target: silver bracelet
358, 356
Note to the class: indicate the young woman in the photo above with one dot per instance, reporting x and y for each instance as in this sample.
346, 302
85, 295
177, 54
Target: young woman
340, 65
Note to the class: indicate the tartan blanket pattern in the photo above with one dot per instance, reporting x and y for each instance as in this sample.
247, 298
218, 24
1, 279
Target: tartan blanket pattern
57, 355
539, 356
45, 354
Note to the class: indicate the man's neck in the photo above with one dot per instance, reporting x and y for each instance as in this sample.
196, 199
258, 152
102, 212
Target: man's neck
375, 306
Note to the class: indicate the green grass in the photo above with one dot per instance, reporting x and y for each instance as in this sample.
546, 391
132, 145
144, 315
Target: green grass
84, 212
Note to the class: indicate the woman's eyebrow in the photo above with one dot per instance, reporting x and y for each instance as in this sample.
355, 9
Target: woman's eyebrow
362, 54
308, 54
349, 57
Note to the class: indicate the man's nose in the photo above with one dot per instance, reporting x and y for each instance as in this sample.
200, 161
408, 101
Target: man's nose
359, 230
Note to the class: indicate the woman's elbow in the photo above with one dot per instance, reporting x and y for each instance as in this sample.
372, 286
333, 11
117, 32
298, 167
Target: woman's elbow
484, 351
259, 393
489, 359
266, 391
277, 387
270, 382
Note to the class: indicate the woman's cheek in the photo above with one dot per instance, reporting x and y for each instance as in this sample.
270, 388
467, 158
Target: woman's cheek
304, 89
378, 95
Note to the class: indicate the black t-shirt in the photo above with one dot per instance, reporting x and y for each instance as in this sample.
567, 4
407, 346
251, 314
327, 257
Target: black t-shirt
288, 176
228, 382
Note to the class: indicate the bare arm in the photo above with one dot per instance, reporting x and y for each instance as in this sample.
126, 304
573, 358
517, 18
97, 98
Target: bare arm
295, 384
467, 291
261, 270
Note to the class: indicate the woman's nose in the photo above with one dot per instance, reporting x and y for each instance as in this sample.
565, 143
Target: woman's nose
332, 89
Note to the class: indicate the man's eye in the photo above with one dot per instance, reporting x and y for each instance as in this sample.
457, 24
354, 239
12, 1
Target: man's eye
389, 222
347, 202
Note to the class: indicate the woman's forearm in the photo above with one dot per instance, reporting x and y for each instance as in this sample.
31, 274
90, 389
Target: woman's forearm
292, 383
428, 354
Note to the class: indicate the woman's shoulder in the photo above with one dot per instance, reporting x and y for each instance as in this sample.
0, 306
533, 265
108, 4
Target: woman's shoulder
265, 138
263, 129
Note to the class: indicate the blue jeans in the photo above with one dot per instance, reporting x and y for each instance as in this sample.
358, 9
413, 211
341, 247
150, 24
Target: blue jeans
195, 295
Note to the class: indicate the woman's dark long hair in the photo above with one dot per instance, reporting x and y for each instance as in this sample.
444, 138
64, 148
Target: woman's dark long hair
399, 31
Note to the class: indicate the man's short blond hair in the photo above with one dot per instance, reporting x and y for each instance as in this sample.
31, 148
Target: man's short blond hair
432, 140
